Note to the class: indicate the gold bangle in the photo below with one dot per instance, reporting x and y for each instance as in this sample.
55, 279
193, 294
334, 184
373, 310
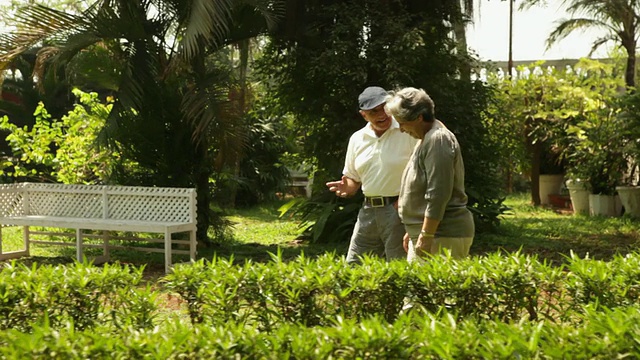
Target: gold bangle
424, 233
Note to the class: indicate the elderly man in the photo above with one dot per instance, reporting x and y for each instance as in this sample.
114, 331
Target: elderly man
376, 156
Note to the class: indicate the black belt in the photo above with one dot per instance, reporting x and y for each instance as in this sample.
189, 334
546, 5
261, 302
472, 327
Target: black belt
379, 201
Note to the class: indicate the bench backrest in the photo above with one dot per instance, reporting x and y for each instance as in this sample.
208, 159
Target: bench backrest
141, 203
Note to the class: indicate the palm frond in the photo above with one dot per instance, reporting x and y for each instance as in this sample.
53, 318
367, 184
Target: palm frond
622, 14
44, 54
75, 43
141, 70
206, 106
271, 11
567, 26
528, 4
252, 18
208, 21
601, 41
594, 7
36, 25
40, 20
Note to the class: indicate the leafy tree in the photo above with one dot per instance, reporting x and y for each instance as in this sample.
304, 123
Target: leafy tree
559, 112
263, 172
326, 52
527, 119
595, 144
25, 85
61, 150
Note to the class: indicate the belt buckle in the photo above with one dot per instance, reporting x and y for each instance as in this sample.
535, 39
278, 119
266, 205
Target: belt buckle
377, 201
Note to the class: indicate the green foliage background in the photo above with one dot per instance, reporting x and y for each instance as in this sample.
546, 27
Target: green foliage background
317, 69
61, 150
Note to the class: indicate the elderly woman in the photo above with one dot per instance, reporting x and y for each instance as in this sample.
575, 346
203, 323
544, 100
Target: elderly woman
433, 202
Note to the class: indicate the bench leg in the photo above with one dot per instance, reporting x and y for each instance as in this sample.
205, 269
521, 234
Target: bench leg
193, 244
79, 244
167, 251
11, 254
105, 250
25, 239
105, 245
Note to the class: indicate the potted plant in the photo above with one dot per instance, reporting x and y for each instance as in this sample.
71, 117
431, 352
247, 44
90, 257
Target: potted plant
579, 190
551, 178
630, 199
628, 190
596, 155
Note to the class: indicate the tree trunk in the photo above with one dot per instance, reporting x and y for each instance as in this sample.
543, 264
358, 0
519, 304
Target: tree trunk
534, 149
203, 196
536, 152
508, 174
630, 73
510, 60
461, 42
243, 49
201, 172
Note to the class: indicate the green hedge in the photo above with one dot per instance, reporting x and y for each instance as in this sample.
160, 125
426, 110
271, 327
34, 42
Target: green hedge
605, 334
81, 295
504, 287
498, 306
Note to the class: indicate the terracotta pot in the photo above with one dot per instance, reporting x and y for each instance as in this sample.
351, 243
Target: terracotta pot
560, 201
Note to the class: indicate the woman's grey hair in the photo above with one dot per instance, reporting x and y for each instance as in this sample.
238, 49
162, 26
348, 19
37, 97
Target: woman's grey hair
409, 103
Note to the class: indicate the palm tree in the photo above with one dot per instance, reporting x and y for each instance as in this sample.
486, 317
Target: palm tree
20, 95
172, 114
461, 18
619, 18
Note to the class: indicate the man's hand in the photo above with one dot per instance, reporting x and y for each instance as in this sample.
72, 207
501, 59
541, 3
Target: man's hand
341, 187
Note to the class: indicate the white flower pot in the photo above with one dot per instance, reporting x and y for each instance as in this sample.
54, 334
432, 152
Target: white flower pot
549, 184
579, 194
604, 205
630, 198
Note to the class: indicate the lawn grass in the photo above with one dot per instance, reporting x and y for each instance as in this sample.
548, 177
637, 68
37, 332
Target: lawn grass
552, 236
259, 231
548, 234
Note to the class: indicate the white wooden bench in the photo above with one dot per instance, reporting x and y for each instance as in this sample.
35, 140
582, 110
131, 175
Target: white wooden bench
110, 210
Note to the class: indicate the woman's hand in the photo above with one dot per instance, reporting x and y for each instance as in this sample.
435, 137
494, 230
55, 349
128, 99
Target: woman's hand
405, 242
424, 245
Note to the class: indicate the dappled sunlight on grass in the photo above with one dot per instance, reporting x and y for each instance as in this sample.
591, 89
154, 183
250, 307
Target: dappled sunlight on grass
260, 231
262, 225
265, 232
264, 212
552, 235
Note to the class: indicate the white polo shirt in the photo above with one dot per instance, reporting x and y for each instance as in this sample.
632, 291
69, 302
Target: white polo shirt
378, 162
